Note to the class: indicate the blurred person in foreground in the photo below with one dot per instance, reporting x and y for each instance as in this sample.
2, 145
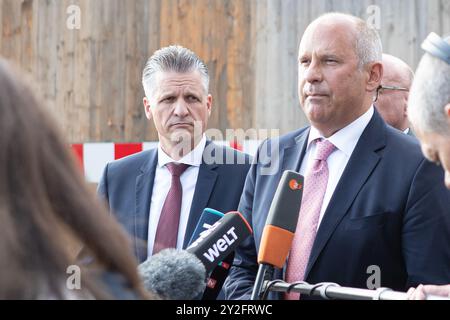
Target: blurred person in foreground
46, 210
429, 113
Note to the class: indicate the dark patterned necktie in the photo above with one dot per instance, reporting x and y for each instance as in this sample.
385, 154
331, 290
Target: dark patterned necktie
167, 231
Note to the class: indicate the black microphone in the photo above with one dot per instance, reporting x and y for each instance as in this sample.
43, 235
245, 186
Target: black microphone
174, 275
220, 240
208, 218
177, 274
217, 278
279, 231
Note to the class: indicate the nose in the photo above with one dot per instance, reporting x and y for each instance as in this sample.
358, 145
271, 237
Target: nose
181, 108
313, 72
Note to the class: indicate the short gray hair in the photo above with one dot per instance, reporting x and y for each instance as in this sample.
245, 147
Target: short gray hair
172, 59
368, 46
429, 95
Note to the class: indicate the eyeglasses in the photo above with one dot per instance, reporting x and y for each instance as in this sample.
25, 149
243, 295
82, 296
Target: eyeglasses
394, 88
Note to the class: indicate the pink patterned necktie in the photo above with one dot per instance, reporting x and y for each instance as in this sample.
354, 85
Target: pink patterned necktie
167, 231
314, 190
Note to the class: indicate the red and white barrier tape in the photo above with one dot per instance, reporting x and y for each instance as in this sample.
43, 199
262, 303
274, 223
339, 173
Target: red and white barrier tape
93, 157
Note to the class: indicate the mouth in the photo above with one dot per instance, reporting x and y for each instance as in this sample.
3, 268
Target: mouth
315, 95
181, 124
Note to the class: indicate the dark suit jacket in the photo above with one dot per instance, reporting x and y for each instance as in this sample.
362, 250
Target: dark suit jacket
127, 186
390, 209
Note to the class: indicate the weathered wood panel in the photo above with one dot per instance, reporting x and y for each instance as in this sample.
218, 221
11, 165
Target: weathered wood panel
91, 78
279, 24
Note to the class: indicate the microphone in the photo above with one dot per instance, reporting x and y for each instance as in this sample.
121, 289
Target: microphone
181, 274
174, 275
208, 218
217, 278
220, 240
279, 231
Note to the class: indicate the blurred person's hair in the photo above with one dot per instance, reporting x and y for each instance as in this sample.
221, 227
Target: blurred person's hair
45, 203
430, 93
172, 59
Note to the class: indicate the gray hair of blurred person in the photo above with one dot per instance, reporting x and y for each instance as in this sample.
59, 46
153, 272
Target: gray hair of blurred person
172, 59
368, 46
430, 93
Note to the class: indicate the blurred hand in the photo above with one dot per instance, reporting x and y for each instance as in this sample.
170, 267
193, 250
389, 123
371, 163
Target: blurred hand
421, 292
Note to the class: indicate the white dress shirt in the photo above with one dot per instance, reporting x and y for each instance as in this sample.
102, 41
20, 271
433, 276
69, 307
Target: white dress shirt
161, 187
345, 141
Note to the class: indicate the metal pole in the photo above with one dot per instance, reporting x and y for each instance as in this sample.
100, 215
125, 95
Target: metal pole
260, 280
328, 290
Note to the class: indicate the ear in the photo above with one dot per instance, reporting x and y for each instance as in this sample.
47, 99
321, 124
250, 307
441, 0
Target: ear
209, 100
375, 74
147, 107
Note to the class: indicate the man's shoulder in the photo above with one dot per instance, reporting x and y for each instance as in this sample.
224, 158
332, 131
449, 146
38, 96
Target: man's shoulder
287, 139
136, 160
403, 146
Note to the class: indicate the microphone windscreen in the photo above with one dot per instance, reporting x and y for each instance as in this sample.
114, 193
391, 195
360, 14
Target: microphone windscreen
174, 275
279, 231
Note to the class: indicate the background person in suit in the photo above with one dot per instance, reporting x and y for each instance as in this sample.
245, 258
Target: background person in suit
370, 198
159, 195
47, 212
392, 96
429, 113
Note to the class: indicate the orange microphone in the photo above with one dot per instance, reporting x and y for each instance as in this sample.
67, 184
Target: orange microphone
280, 228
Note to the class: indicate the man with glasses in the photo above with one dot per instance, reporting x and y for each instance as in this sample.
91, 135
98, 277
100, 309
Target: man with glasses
392, 95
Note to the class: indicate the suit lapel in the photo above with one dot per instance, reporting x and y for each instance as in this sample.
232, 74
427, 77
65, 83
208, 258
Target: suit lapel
206, 180
292, 158
293, 155
361, 164
144, 187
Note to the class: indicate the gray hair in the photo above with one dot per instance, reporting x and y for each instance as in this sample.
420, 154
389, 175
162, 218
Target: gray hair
176, 59
368, 46
430, 93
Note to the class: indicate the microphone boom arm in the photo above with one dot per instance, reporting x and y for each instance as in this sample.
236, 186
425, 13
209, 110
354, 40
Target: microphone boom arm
265, 274
329, 290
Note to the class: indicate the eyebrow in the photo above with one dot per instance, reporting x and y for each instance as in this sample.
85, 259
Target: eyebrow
330, 56
166, 94
322, 57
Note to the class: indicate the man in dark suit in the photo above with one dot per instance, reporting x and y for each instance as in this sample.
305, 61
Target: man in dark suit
374, 211
158, 195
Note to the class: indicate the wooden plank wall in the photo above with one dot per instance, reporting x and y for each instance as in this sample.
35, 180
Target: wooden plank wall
90, 78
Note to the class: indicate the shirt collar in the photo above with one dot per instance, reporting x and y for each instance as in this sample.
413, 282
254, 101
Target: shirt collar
345, 139
193, 158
